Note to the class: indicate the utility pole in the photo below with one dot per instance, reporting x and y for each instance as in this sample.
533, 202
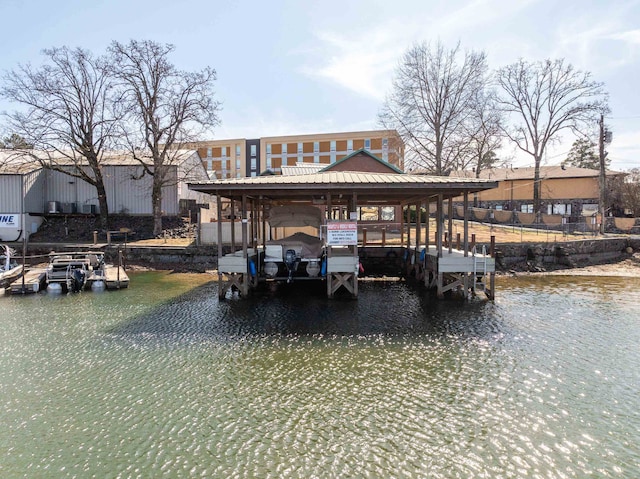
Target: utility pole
602, 174
605, 137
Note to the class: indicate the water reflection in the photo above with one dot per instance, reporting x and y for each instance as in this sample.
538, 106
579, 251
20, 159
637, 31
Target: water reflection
162, 380
390, 309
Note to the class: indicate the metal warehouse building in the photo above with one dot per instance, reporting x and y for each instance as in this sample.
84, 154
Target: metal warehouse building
27, 191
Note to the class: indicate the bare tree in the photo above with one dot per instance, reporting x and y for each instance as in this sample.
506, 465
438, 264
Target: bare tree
629, 189
543, 99
485, 132
431, 101
166, 108
67, 117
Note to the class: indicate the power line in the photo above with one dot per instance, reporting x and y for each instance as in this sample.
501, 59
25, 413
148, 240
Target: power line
633, 117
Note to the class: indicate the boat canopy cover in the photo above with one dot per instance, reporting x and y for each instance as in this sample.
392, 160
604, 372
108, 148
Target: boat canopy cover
305, 245
295, 216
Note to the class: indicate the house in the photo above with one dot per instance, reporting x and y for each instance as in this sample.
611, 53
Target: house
564, 190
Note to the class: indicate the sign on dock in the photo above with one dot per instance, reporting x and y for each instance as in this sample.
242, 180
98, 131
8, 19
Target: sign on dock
342, 233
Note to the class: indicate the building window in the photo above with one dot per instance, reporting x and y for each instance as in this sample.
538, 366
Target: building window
385, 149
559, 209
268, 148
368, 213
254, 165
333, 145
388, 213
284, 150
209, 152
367, 143
349, 146
333, 157
268, 161
253, 150
224, 151
237, 150
253, 173
300, 150
238, 162
316, 146
526, 208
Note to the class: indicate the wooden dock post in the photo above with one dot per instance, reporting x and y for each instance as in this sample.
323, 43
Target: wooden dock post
491, 293
384, 236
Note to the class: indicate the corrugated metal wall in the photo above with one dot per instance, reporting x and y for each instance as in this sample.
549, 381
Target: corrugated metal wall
124, 194
192, 170
34, 201
10, 193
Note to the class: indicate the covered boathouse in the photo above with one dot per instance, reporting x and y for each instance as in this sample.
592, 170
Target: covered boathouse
270, 201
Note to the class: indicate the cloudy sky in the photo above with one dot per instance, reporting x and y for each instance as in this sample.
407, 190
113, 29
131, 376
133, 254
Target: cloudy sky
293, 67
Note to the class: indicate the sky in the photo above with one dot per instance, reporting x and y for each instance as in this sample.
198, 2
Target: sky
299, 67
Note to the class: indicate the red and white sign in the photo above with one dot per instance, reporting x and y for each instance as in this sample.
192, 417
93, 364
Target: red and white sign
342, 233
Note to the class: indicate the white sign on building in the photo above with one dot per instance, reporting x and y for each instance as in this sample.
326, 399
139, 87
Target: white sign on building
9, 220
342, 233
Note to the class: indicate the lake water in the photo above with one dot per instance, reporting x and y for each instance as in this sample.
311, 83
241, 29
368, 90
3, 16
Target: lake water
162, 380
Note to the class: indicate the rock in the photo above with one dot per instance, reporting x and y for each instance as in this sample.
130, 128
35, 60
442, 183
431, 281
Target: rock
629, 250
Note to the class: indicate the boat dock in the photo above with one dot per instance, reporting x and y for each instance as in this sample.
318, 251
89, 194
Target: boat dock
115, 277
71, 272
32, 282
338, 195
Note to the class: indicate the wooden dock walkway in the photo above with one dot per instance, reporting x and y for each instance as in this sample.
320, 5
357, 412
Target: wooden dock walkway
115, 277
34, 280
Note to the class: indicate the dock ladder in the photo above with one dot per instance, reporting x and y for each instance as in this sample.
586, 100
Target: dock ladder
479, 268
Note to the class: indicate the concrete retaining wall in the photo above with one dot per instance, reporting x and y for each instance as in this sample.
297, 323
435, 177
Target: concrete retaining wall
376, 260
565, 252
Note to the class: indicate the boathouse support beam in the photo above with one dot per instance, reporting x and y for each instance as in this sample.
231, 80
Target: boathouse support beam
220, 251
427, 233
440, 224
450, 223
245, 242
233, 225
466, 223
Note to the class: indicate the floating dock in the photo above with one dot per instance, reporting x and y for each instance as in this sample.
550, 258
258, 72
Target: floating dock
115, 277
32, 282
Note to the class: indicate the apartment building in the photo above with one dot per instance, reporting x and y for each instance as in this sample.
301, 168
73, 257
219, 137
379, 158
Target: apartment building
242, 157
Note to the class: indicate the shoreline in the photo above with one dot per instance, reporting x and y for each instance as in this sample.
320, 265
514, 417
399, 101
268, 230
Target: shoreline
626, 267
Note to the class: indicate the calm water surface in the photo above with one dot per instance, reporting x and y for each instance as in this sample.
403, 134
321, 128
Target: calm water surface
161, 380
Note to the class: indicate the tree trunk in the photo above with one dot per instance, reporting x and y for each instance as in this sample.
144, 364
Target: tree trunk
536, 189
103, 205
475, 195
156, 201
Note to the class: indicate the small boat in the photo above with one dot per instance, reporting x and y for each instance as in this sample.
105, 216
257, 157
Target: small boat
75, 271
9, 269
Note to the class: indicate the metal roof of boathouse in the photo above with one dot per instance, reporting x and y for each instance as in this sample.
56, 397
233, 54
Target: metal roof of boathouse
391, 187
